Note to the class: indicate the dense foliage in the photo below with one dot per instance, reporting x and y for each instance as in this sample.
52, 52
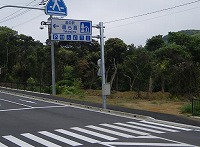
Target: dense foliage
167, 64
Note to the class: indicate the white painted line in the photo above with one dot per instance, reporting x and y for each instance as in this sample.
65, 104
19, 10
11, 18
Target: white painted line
47, 107
144, 144
40, 140
163, 125
176, 124
95, 134
125, 129
81, 137
17, 141
151, 126
2, 145
110, 131
177, 142
22, 96
27, 101
59, 138
140, 128
16, 103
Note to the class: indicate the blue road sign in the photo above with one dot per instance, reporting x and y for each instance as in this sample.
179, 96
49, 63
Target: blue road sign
56, 7
71, 30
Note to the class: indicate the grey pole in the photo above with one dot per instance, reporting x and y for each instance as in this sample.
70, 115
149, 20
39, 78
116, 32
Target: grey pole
53, 68
52, 61
102, 63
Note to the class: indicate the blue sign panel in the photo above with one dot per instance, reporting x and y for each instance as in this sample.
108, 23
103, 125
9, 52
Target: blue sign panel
71, 30
56, 7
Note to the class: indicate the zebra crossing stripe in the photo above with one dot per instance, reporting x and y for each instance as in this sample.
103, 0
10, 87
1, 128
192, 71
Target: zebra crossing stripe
125, 129
164, 125
17, 141
2, 145
110, 131
94, 134
81, 137
59, 138
40, 140
144, 144
151, 126
140, 128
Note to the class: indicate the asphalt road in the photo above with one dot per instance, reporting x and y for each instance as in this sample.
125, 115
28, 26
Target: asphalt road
25, 121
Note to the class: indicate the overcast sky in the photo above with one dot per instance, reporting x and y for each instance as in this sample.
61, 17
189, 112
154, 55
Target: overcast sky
136, 30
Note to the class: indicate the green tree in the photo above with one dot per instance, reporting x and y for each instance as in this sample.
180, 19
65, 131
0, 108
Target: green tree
172, 66
115, 49
154, 43
136, 67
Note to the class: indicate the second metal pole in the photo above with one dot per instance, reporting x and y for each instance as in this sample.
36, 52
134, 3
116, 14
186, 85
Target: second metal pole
53, 68
102, 64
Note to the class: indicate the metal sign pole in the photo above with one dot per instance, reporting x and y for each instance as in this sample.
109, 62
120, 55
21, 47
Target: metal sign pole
102, 63
53, 68
52, 61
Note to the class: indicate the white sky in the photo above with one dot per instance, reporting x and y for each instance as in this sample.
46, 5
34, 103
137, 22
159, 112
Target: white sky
135, 31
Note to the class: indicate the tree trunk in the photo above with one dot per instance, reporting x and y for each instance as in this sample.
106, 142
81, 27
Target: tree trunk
163, 84
114, 74
150, 88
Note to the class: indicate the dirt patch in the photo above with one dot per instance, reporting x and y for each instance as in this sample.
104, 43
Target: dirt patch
155, 102
169, 107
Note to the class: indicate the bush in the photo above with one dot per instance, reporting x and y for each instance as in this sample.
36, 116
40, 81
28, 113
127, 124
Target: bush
187, 108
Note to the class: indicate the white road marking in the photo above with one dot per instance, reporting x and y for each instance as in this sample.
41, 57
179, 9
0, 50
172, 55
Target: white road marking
2, 145
94, 134
151, 126
16, 103
81, 137
125, 129
59, 138
163, 125
17, 141
144, 144
140, 128
110, 131
27, 101
47, 107
31, 98
177, 142
40, 140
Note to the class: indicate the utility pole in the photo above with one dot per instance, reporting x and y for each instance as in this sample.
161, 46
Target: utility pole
101, 63
101, 27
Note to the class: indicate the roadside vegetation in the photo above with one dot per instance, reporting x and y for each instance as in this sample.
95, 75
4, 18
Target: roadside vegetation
165, 69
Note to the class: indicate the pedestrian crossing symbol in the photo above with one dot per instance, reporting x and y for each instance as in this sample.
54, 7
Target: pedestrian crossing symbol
56, 7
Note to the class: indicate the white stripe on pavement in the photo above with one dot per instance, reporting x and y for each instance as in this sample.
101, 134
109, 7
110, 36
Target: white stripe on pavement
2, 145
16, 103
125, 129
17, 141
151, 126
164, 125
40, 140
140, 128
94, 134
110, 131
27, 101
144, 144
59, 138
32, 108
81, 137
